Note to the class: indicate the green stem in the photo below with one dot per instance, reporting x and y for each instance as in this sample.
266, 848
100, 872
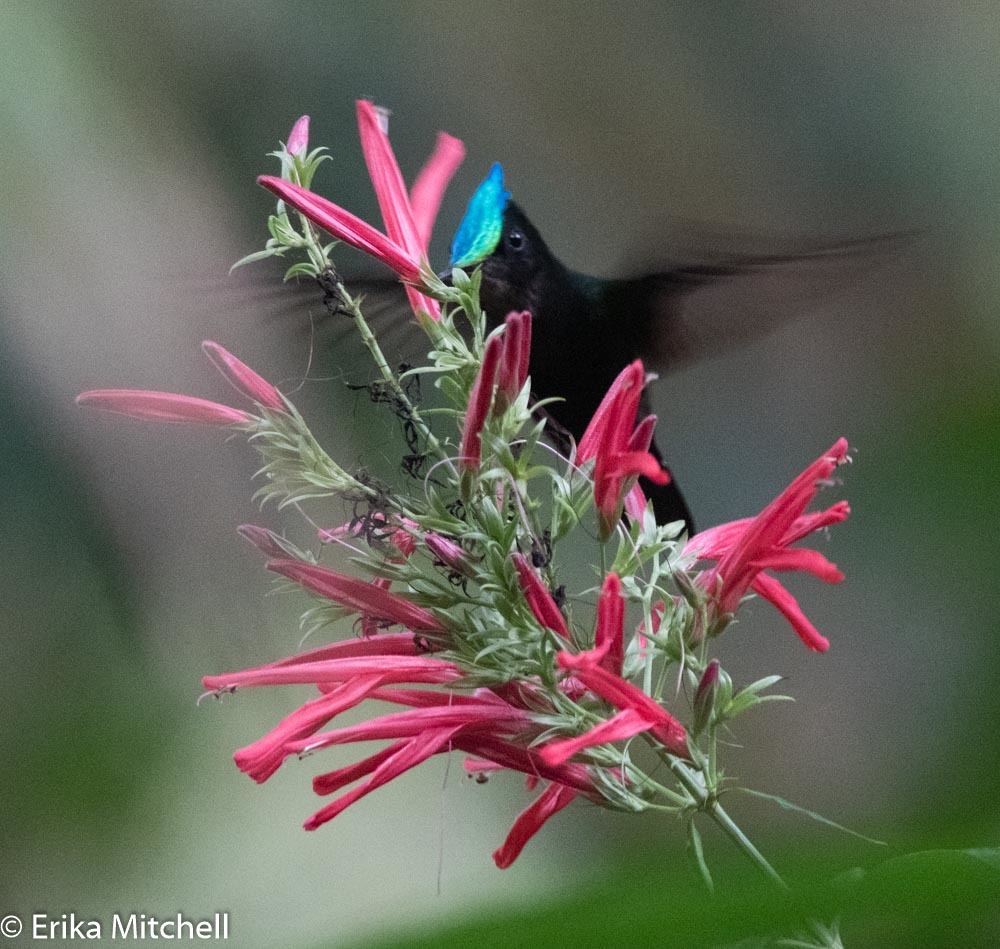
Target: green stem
368, 338
714, 809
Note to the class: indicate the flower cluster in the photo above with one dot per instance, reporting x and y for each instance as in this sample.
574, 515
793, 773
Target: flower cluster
461, 621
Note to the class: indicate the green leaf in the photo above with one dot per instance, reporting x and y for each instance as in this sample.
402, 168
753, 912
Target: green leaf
819, 818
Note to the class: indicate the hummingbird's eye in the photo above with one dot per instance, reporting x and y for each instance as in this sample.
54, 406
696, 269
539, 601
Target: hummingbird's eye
515, 240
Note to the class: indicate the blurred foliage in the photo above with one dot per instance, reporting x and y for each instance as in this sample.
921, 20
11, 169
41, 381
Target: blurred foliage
927, 899
81, 699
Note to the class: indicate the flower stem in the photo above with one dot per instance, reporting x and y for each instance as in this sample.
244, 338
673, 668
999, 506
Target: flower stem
368, 338
714, 809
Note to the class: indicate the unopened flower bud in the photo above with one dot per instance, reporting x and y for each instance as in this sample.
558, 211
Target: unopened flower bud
298, 138
704, 696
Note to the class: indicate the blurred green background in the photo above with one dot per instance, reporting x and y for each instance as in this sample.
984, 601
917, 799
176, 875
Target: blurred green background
132, 134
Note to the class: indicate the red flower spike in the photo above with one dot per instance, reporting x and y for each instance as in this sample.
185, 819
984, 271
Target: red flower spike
552, 800
480, 399
331, 672
393, 199
261, 759
539, 599
467, 716
358, 595
409, 218
405, 755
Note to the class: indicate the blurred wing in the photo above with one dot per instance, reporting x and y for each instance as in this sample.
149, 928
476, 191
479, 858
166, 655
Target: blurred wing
698, 310
298, 309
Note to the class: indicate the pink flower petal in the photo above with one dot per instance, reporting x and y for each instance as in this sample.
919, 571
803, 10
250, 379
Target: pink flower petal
243, 378
432, 182
552, 800
162, 406
776, 594
298, 138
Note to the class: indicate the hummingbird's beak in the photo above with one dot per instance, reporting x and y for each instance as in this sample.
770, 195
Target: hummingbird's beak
445, 277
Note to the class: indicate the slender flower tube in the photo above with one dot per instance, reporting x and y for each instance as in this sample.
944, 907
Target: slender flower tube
357, 595
162, 406
620, 727
552, 800
610, 633
242, 378
514, 360
431, 183
539, 599
345, 227
745, 549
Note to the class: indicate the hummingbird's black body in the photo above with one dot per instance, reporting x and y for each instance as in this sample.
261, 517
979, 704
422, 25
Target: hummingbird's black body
585, 330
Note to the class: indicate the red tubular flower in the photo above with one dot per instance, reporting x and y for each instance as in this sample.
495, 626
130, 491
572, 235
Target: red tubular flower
620, 727
539, 599
358, 595
744, 549
409, 218
162, 406
261, 759
619, 448
623, 695
513, 371
447, 552
610, 633
389, 764
480, 399
172, 407
242, 378
432, 181
552, 800
345, 227
331, 672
